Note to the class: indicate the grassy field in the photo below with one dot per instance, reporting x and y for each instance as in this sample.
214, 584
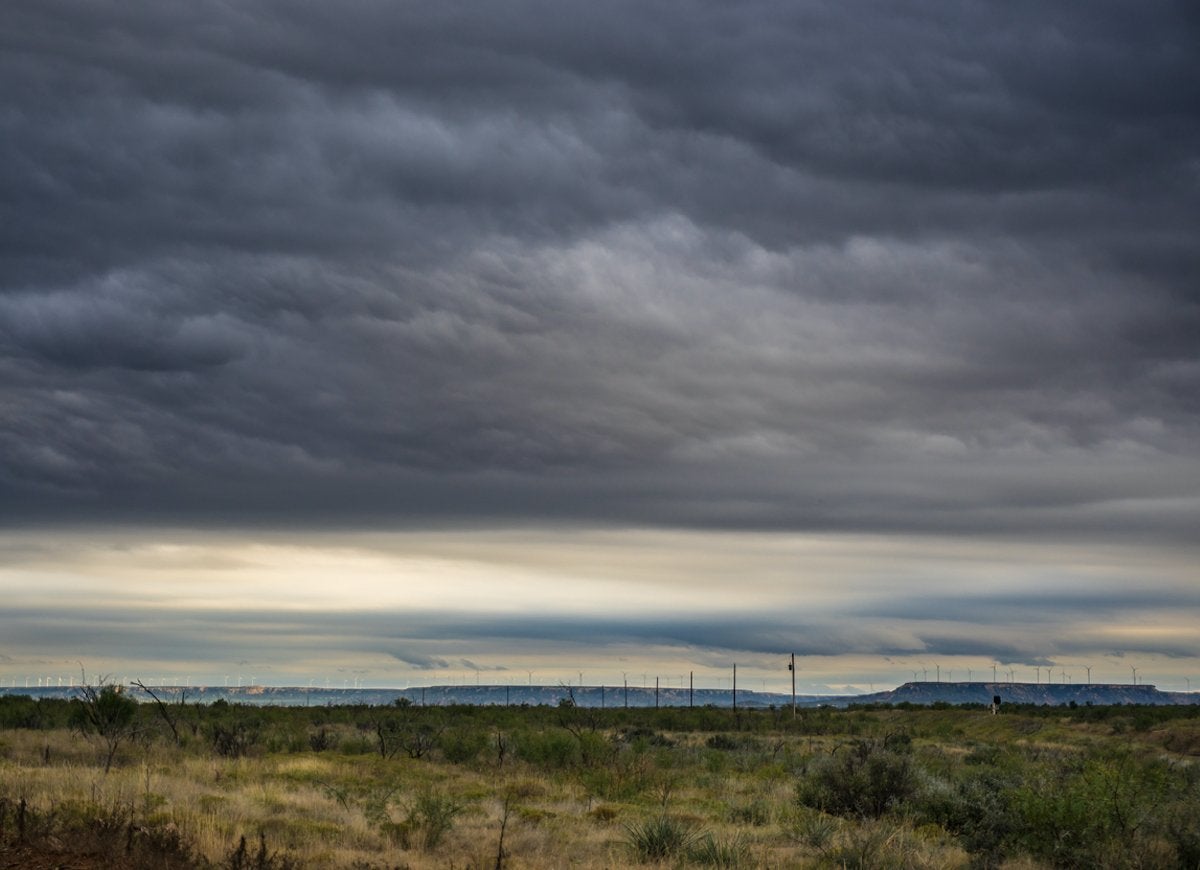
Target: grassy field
404, 786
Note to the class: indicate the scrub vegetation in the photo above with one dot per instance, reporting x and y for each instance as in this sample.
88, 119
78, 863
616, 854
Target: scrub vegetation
177, 785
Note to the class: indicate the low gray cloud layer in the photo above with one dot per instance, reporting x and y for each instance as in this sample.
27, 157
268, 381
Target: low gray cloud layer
1049, 631
849, 266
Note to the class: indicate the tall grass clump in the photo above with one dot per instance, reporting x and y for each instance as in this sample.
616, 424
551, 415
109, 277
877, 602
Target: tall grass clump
727, 853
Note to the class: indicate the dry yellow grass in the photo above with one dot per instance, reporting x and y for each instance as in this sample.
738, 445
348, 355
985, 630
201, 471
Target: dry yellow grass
350, 808
330, 810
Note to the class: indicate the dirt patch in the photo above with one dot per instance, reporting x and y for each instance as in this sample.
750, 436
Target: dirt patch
30, 858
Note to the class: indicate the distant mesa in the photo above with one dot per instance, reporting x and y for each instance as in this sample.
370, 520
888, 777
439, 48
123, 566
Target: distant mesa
921, 693
1054, 694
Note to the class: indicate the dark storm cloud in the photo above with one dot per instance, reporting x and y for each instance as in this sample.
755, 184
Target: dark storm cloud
864, 266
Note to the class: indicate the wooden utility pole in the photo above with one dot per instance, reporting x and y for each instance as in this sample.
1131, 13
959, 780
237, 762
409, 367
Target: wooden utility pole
792, 668
691, 688
735, 685
656, 693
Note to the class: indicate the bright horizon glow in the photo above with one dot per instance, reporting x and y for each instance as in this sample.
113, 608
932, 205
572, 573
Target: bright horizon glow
429, 607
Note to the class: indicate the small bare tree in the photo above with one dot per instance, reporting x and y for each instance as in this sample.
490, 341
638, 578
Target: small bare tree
105, 712
163, 709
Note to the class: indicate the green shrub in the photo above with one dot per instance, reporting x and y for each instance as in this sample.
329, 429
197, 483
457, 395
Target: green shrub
21, 711
429, 819
860, 779
978, 810
724, 742
321, 740
594, 749
1102, 810
462, 745
107, 713
624, 778
235, 738
1183, 834
547, 749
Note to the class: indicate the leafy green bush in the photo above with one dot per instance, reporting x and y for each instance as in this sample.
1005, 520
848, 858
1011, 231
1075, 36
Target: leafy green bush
22, 711
107, 713
552, 749
462, 745
1101, 810
234, 738
859, 779
978, 809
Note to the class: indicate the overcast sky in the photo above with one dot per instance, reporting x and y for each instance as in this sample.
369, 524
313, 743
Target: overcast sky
401, 339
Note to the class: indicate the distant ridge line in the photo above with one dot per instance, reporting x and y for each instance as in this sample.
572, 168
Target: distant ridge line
922, 693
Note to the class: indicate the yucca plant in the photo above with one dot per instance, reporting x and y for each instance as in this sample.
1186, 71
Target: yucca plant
661, 837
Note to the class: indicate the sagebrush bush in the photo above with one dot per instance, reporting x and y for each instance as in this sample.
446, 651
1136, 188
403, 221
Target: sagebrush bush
978, 809
860, 779
430, 817
462, 745
547, 749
